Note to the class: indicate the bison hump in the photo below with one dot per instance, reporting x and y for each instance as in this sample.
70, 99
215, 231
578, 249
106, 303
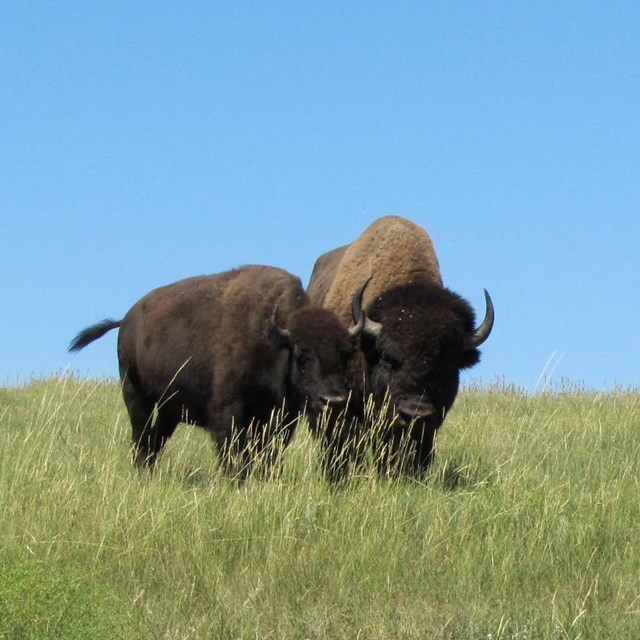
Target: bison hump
395, 251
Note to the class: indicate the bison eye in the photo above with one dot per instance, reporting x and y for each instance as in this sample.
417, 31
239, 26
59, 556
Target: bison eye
302, 360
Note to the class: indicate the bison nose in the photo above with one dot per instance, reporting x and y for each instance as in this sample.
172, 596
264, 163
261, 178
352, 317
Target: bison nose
411, 410
333, 401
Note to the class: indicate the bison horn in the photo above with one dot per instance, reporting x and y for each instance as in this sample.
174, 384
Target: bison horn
283, 334
362, 322
479, 335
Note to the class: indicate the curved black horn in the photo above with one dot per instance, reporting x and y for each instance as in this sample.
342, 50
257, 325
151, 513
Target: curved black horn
479, 335
357, 312
284, 334
362, 322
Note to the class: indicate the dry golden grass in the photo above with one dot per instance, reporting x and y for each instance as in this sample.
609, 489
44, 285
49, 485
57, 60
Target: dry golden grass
527, 528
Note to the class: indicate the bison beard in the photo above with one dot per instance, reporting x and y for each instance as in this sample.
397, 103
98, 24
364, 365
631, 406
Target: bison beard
240, 353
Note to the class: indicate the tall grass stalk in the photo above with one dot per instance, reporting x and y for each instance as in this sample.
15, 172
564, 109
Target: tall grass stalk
526, 528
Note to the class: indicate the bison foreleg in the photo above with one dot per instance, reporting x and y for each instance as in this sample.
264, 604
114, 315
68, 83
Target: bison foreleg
424, 450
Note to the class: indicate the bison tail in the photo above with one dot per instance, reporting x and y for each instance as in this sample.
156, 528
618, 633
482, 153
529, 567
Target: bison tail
88, 335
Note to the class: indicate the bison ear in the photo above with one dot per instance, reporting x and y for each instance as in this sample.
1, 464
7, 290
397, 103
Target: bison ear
278, 337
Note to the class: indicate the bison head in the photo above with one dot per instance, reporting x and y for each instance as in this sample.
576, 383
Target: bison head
321, 350
416, 339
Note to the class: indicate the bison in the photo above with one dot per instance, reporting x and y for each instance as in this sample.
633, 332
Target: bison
229, 352
418, 335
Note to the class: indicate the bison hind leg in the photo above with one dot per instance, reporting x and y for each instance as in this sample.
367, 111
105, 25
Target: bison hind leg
151, 426
148, 442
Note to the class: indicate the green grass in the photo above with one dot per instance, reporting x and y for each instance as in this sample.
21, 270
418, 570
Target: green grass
526, 529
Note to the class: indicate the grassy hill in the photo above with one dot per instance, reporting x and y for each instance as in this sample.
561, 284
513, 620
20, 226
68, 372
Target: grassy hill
527, 528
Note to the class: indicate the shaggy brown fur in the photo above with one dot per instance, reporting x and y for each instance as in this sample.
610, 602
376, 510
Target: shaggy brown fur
202, 350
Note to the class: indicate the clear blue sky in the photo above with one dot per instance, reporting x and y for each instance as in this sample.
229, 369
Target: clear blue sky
143, 142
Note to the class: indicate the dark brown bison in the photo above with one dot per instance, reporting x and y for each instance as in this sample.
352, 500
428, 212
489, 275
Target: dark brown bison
228, 352
417, 337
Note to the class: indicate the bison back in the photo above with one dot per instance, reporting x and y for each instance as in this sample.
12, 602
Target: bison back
323, 275
198, 337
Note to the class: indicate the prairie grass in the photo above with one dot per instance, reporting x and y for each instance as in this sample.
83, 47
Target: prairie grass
527, 528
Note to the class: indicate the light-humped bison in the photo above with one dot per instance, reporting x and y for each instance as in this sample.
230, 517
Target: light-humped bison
228, 352
417, 337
